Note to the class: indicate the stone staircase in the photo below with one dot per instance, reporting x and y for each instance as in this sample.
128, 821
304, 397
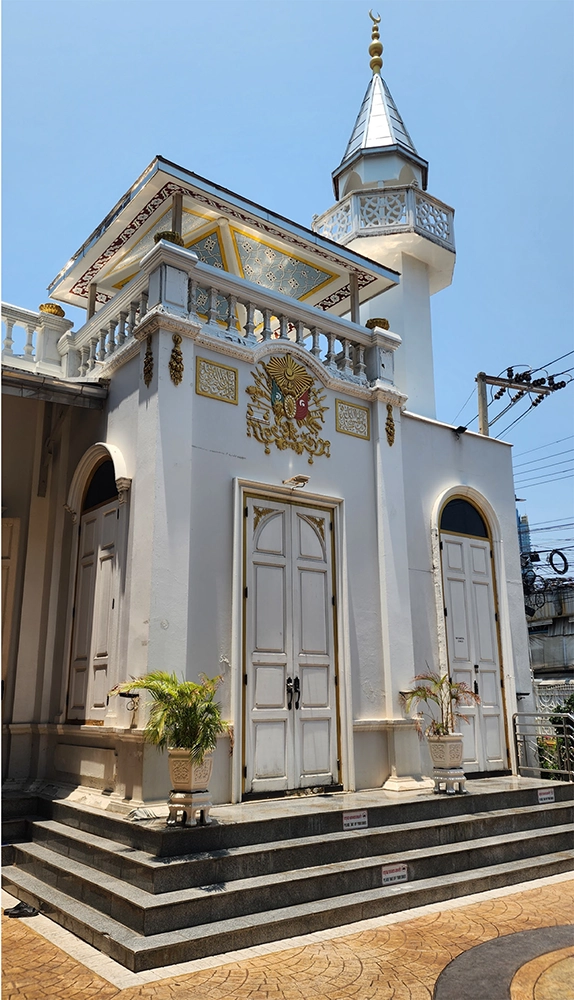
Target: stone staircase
150, 895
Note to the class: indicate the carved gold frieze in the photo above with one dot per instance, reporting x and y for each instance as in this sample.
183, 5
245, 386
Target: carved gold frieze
176, 360
318, 523
352, 419
390, 425
216, 381
148, 364
286, 408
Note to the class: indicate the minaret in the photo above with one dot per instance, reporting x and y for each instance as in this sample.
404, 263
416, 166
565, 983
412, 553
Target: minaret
384, 212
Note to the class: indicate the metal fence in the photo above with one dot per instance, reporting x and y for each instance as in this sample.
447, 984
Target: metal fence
544, 743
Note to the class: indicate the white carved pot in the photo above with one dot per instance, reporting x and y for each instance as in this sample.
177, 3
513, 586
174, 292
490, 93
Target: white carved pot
188, 777
446, 751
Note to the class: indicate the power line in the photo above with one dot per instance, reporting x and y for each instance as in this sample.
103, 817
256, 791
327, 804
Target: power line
549, 445
544, 482
555, 454
471, 393
541, 468
518, 419
567, 355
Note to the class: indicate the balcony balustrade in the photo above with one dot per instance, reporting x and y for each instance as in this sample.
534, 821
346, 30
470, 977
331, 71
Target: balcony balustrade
173, 281
378, 211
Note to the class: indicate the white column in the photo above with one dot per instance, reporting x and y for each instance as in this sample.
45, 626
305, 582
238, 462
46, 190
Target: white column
396, 616
407, 308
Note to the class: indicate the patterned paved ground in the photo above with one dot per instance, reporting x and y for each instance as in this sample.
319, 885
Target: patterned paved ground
400, 961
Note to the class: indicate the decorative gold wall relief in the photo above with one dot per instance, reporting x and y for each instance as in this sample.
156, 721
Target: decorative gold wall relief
390, 425
216, 381
286, 408
352, 419
176, 360
148, 364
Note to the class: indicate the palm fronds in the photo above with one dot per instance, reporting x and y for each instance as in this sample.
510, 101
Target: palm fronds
433, 688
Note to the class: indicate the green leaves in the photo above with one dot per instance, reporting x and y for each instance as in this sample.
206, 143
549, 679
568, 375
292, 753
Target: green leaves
437, 689
184, 714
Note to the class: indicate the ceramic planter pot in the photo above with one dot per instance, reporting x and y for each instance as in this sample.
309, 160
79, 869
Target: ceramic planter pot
446, 751
188, 777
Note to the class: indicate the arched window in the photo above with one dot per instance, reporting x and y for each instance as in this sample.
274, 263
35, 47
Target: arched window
102, 487
460, 516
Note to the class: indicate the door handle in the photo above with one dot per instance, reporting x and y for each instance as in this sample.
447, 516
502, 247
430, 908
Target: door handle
289, 693
476, 687
297, 688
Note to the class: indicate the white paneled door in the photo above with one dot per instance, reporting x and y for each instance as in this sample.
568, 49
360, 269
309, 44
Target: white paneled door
473, 647
95, 614
290, 684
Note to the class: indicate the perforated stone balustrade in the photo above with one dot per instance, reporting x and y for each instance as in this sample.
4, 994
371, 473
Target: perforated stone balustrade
173, 281
388, 210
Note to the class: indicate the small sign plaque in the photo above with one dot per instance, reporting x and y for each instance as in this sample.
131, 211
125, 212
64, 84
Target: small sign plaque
355, 819
394, 873
545, 795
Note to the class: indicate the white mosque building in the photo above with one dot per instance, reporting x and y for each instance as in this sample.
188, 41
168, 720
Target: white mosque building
234, 466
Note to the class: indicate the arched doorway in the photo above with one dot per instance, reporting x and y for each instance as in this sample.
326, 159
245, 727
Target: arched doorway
95, 610
472, 631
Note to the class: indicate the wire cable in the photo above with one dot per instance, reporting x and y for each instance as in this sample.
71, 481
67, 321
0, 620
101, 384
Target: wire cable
549, 445
555, 454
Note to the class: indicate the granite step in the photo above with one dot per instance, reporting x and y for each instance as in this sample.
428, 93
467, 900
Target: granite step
160, 875
321, 820
149, 913
138, 952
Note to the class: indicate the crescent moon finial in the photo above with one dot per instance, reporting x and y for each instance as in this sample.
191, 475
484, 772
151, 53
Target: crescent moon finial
375, 48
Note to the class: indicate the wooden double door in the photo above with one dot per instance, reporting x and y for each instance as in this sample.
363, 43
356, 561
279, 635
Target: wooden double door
290, 672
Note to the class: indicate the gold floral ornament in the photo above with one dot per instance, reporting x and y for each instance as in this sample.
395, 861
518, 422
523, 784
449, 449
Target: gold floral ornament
286, 408
381, 322
148, 364
390, 425
52, 308
176, 360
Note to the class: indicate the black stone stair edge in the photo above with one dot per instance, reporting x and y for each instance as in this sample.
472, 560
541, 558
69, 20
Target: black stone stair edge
149, 866
176, 841
143, 911
139, 953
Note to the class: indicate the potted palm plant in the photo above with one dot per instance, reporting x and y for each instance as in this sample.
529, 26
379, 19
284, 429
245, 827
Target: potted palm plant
186, 720
438, 700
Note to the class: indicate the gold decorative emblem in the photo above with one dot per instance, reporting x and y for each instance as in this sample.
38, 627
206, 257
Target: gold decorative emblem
148, 364
176, 360
286, 409
52, 308
318, 523
352, 419
390, 425
216, 381
383, 324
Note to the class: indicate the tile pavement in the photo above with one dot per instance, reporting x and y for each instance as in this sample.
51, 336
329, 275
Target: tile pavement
398, 957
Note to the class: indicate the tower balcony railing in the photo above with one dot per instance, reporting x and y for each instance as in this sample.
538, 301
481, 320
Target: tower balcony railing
173, 281
384, 211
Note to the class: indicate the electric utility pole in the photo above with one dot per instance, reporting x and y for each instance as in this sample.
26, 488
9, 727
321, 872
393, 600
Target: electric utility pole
522, 382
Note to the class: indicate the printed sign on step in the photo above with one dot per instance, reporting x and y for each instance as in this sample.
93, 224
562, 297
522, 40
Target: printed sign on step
354, 820
545, 795
394, 873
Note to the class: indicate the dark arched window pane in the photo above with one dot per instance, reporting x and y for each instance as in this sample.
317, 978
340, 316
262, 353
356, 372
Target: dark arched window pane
462, 517
102, 486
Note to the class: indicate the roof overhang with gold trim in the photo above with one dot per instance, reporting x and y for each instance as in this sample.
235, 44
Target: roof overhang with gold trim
226, 231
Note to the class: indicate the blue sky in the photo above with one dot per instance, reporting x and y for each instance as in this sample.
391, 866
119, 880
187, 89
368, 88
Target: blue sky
261, 97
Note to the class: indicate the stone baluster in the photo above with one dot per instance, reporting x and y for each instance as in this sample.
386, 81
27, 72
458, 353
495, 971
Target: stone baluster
143, 305
122, 328
361, 368
29, 345
84, 360
192, 298
315, 350
283, 328
8, 340
300, 333
345, 363
330, 355
267, 324
250, 324
212, 306
112, 336
232, 309
132, 318
92, 354
102, 345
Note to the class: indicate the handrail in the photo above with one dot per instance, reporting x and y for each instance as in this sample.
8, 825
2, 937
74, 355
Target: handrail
544, 743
